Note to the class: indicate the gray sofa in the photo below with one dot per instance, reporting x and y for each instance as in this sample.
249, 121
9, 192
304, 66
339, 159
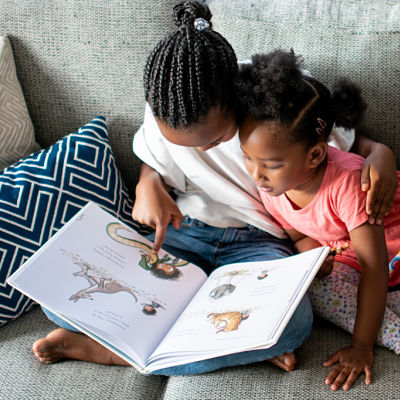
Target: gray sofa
78, 59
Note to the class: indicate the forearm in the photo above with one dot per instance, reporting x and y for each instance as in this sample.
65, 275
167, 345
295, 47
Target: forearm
366, 147
370, 308
149, 176
305, 244
370, 247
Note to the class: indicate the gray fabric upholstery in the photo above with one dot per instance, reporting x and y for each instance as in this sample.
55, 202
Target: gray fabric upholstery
265, 381
77, 59
23, 377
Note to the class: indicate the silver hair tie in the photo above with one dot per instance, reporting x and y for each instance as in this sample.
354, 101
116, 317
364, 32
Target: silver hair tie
201, 24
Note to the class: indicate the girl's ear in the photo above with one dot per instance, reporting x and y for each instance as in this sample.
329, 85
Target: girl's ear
317, 154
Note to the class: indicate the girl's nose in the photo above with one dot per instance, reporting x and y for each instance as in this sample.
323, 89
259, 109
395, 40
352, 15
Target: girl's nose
256, 173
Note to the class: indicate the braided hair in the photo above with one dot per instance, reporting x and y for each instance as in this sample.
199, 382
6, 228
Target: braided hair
274, 88
190, 70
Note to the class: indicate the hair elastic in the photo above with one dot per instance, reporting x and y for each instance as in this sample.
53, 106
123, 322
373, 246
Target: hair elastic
322, 125
201, 24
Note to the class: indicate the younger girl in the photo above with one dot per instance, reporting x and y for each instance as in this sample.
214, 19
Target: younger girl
312, 190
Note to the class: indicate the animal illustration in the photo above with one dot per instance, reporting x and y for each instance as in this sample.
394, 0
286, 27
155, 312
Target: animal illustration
229, 321
263, 274
226, 288
97, 283
164, 268
222, 290
151, 308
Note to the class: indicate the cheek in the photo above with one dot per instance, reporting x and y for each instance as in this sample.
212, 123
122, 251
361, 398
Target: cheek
249, 166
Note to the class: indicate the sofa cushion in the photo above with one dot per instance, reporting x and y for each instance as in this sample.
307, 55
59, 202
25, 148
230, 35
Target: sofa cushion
40, 193
357, 39
16, 130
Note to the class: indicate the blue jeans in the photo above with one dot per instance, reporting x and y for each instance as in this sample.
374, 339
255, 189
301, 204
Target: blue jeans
211, 247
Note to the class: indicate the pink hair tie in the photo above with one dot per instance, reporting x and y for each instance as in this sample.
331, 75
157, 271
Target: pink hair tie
321, 128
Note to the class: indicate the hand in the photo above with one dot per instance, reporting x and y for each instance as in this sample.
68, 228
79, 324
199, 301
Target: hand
155, 207
350, 362
379, 180
326, 267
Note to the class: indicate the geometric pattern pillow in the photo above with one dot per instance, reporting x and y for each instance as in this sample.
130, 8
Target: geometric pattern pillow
40, 193
17, 137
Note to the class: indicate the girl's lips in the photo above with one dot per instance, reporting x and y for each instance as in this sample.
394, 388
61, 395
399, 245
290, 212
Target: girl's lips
265, 189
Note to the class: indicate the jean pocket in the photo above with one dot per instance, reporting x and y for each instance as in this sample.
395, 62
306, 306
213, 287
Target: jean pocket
188, 222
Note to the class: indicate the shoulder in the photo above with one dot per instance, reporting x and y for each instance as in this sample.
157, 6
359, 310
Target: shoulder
343, 179
343, 160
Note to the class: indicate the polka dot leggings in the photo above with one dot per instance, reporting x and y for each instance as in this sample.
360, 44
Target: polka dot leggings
335, 298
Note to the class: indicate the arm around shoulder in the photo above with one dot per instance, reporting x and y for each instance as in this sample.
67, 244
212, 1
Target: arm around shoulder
378, 177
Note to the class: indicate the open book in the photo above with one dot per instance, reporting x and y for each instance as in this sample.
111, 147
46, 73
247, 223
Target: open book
154, 310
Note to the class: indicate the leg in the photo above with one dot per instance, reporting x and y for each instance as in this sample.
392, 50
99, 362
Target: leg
297, 330
335, 299
68, 342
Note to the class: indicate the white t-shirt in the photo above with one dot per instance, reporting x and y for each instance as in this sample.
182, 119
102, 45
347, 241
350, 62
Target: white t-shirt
214, 185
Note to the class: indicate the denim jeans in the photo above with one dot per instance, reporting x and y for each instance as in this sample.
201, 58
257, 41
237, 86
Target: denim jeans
210, 247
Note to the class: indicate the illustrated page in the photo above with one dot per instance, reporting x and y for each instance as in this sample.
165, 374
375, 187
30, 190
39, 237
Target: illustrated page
103, 274
240, 307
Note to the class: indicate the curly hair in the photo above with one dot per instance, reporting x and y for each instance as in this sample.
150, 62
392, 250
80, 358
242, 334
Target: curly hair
274, 88
190, 70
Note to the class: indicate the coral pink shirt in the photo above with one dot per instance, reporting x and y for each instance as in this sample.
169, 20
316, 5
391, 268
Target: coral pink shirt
337, 208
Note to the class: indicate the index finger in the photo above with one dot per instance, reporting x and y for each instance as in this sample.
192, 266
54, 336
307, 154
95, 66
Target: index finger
371, 200
159, 237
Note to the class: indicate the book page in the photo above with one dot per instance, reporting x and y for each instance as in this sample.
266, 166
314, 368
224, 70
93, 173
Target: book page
242, 306
102, 274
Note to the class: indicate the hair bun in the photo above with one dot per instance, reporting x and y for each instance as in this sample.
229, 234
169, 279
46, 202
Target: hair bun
348, 104
187, 12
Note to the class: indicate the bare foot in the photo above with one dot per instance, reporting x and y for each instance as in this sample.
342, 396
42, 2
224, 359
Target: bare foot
286, 361
62, 343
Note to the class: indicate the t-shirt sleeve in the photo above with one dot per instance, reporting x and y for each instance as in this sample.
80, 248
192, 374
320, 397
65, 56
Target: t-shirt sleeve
151, 147
342, 138
349, 200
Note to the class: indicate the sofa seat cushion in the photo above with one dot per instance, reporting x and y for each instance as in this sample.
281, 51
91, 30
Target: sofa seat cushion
24, 377
40, 193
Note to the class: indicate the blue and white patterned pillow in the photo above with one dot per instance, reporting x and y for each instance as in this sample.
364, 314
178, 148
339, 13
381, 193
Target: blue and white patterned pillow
40, 193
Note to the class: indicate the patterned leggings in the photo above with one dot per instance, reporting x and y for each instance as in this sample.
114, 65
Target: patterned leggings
335, 298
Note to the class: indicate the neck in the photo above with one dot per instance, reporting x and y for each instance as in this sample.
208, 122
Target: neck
303, 194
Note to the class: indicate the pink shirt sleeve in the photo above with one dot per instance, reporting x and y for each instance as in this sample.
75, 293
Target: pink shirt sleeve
349, 200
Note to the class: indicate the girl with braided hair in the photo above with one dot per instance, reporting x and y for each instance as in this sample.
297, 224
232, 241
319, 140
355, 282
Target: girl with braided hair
202, 204
313, 191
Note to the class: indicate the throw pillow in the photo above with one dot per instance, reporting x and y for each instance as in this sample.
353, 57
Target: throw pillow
16, 130
40, 193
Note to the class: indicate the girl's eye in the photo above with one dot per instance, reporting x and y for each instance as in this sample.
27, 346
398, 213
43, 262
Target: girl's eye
272, 166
